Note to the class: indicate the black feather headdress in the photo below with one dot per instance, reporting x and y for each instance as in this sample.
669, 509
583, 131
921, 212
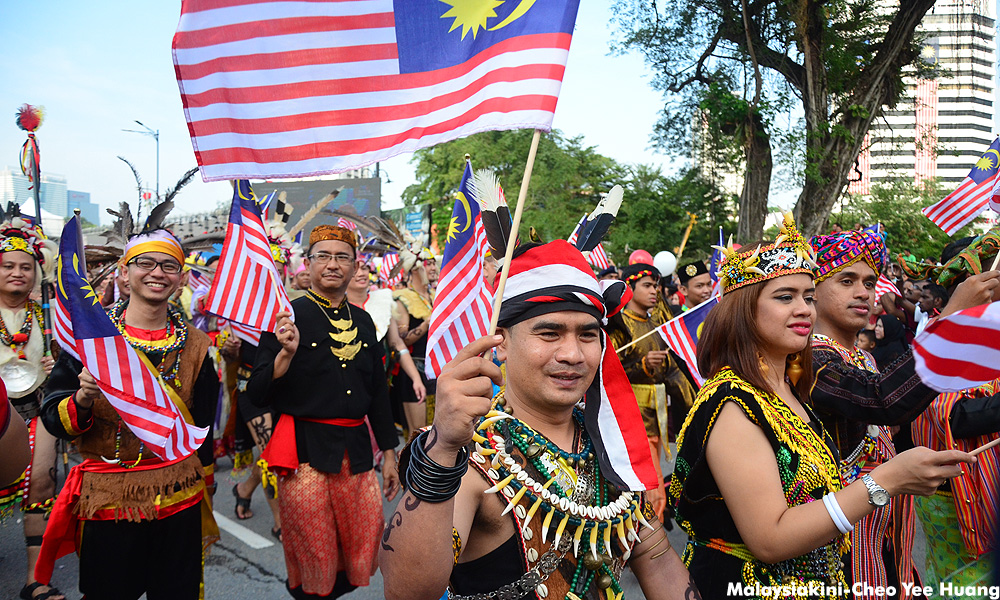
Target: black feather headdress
593, 230
493, 209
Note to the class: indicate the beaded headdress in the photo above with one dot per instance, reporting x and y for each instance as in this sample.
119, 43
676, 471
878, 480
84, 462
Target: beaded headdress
17, 234
841, 250
787, 255
915, 269
970, 260
637, 271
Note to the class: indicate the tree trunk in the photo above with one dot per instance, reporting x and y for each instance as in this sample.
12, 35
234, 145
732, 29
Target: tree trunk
834, 140
756, 182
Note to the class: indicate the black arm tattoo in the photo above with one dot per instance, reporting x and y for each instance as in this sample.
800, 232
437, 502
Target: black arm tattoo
395, 520
691, 593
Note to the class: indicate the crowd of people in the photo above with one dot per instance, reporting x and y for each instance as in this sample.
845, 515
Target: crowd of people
799, 454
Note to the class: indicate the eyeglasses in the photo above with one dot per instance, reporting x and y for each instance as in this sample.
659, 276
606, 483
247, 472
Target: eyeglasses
148, 264
324, 257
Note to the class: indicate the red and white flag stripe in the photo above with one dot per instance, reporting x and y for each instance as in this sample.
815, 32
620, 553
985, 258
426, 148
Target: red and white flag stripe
301, 88
884, 285
960, 351
677, 338
959, 207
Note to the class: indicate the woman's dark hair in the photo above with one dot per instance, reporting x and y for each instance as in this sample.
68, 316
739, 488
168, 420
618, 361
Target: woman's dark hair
731, 337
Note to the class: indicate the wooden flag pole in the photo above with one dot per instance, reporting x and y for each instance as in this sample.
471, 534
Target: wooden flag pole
515, 224
640, 338
985, 447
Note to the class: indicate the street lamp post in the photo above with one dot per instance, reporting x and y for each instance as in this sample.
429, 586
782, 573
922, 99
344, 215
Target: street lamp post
156, 136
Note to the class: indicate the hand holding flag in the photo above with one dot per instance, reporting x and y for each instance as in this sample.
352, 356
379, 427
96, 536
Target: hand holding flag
150, 408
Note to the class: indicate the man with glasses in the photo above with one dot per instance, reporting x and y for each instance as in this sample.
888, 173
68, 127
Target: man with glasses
323, 375
142, 517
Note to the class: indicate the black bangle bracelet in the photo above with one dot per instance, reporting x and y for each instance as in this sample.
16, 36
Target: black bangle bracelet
429, 481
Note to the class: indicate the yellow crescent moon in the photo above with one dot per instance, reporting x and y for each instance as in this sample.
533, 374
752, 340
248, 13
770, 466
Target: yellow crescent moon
997, 162
515, 15
468, 211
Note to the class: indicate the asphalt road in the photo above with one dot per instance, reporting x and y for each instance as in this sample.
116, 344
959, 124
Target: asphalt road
247, 562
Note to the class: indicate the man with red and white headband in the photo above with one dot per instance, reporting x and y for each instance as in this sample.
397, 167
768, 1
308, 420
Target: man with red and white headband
537, 492
142, 529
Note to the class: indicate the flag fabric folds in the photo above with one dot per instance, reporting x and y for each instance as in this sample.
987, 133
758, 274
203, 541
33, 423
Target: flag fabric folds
463, 306
884, 285
960, 351
347, 224
389, 261
681, 335
597, 257
150, 409
309, 87
972, 195
714, 264
247, 288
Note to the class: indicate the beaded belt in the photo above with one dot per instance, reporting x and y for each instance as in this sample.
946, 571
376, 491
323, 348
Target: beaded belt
527, 583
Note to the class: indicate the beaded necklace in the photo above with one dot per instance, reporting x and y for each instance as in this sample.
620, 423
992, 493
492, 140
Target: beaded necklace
32, 313
855, 357
582, 505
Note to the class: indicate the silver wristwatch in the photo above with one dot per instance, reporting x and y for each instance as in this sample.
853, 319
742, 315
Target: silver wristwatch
877, 496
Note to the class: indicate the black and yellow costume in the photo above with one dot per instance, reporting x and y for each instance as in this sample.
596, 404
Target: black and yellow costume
808, 466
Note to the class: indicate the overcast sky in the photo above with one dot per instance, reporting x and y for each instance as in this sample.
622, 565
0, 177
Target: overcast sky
98, 66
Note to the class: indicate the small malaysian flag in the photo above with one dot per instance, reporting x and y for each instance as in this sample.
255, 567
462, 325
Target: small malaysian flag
347, 224
597, 257
150, 409
307, 87
463, 305
247, 288
960, 351
884, 285
714, 264
681, 335
972, 195
247, 334
389, 262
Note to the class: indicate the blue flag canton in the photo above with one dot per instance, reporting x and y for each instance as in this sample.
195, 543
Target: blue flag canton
243, 199
462, 226
986, 166
694, 319
87, 314
435, 34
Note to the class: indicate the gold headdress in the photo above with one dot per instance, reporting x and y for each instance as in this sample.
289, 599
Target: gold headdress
790, 253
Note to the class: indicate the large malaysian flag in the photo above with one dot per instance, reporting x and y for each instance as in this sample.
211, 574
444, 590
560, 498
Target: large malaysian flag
972, 195
463, 305
308, 87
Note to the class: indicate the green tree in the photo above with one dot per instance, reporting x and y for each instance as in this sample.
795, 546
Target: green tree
566, 182
841, 61
656, 213
896, 205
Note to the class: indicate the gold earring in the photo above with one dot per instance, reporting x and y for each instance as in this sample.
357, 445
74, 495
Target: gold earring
764, 369
794, 369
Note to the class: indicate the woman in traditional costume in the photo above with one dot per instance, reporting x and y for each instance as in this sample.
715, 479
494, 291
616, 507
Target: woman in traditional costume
413, 315
756, 485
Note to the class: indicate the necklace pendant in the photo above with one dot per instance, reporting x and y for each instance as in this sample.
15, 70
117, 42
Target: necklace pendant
347, 352
344, 337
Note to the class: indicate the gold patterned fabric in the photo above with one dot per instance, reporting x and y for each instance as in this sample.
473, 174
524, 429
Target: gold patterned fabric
716, 554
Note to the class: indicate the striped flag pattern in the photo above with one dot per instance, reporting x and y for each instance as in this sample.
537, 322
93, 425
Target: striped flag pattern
463, 305
127, 379
347, 224
389, 262
925, 164
972, 195
960, 351
714, 264
309, 87
681, 335
597, 257
883, 285
247, 288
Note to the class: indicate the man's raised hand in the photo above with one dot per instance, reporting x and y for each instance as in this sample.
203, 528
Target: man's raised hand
464, 393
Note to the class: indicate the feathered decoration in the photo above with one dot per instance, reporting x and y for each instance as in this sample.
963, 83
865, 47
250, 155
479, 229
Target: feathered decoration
123, 227
156, 216
534, 236
385, 234
597, 224
29, 118
183, 181
135, 173
312, 212
485, 188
